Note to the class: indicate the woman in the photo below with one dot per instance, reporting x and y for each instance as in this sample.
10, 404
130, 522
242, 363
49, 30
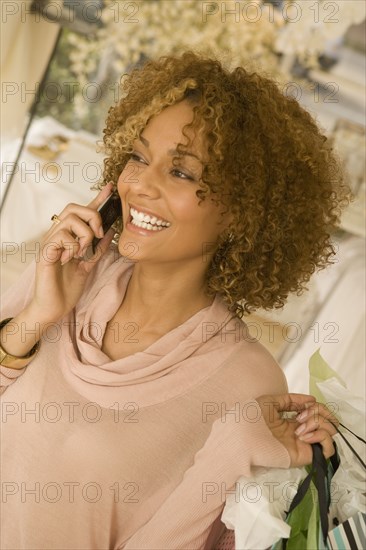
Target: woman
147, 398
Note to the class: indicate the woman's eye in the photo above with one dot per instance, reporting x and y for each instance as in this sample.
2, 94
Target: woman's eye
182, 175
137, 158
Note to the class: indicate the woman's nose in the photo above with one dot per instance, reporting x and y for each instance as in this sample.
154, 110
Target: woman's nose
146, 180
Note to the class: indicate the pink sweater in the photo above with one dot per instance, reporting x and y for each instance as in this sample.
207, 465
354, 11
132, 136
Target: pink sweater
137, 453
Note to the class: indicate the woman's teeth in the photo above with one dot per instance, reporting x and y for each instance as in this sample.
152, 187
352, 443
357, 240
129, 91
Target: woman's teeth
145, 221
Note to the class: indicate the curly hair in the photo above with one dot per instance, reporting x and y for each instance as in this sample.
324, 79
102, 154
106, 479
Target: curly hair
269, 165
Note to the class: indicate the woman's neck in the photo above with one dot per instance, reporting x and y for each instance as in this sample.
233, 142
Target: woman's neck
164, 297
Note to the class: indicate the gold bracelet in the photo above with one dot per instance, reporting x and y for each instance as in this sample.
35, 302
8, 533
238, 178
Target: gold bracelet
12, 361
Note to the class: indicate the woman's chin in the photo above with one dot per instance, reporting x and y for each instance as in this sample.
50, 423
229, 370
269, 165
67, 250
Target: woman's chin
129, 249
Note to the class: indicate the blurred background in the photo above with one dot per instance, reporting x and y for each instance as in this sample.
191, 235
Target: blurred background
61, 63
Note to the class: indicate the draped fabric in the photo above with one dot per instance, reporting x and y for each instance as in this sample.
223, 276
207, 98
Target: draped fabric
138, 452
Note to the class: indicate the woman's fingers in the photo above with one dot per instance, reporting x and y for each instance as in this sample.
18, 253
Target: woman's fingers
101, 197
314, 423
88, 214
71, 236
77, 227
311, 425
318, 413
287, 402
83, 232
100, 249
306, 406
316, 418
320, 436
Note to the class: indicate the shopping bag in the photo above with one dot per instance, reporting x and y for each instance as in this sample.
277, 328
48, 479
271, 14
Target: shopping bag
309, 510
308, 513
349, 534
261, 522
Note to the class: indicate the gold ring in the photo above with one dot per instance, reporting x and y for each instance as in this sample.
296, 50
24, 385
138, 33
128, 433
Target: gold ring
55, 219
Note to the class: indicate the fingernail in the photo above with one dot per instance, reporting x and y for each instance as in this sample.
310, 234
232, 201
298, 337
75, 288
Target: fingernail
306, 436
101, 232
300, 429
302, 416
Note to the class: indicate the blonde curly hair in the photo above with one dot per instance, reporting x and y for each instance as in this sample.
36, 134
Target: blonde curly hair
270, 166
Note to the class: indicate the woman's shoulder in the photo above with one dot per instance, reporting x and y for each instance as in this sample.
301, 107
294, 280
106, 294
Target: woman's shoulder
249, 365
239, 352
254, 356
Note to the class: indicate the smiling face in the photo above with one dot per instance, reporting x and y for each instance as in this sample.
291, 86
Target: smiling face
163, 220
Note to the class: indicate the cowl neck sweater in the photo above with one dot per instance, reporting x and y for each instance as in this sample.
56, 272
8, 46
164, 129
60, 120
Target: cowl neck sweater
162, 371
170, 420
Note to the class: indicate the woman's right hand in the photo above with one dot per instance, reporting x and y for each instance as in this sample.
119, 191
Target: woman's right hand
62, 269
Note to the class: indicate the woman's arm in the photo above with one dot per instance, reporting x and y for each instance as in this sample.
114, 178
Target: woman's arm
185, 519
13, 302
232, 448
52, 285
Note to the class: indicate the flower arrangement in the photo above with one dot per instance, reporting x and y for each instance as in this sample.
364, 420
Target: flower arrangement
150, 28
265, 34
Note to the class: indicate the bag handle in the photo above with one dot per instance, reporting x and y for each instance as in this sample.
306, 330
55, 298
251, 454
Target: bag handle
323, 487
350, 431
319, 474
348, 443
319, 469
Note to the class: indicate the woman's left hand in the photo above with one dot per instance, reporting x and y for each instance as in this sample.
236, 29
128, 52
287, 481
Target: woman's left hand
312, 424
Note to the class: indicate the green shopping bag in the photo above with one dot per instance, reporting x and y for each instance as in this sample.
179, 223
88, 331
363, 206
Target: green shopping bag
308, 513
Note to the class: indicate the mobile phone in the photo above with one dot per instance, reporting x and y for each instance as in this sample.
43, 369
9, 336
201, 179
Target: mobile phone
110, 210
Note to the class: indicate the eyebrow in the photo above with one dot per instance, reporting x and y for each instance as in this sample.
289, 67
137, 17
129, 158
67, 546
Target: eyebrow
172, 152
